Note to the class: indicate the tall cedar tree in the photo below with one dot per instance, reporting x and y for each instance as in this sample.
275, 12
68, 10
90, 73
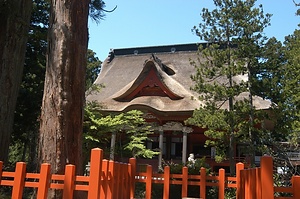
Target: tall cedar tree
234, 32
14, 20
62, 106
291, 89
26, 125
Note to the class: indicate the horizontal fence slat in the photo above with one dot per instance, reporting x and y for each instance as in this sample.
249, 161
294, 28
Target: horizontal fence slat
57, 177
7, 182
283, 189
56, 186
80, 187
8, 174
33, 175
31, 184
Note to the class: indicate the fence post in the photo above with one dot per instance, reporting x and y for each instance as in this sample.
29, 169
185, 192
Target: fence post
69, 181
253, 193
258, 183
184, 185
127, 168
148, 182
95, 173
19, 180
239, 166
116, 179
44, 181
104, 178
221, 183
296, 186
132, 172
267, 182
242, 184
203, 183
166, 182
123, 181
111, 181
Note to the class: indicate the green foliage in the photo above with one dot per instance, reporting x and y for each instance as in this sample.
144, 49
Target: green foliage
98, 129
291, 82
93, 68
96, 10
225, 72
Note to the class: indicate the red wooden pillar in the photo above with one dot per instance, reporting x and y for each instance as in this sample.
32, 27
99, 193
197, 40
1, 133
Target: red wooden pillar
266, 164
296, 186
253, 183
104, 179
111, 181
221, 183
69, 181
117, 181
184, 186
148, 182
44, 181
166, 182
132, 173
19, 180
95, 174
203, 183
258, 183
242, 184
239, 167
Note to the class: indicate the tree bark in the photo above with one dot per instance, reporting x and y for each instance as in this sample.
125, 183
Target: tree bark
14, 21
60, 140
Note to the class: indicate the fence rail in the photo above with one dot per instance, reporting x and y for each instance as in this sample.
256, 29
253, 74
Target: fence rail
114, 180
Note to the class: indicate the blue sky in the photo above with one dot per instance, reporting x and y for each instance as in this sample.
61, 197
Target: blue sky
137, 23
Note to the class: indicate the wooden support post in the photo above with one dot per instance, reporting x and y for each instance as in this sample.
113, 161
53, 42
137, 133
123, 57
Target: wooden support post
239, 167
258, 183
296, 187
123, 181
69, 181
104, 179
117, 181
44, 181
111, 181
247, 184
161, 148
252, 176
19, 180
148, 182
128, 180
184, 147
184, 186
203, 183
166, 182
242, 184
132, 173
95, 174
221, 183
267, 182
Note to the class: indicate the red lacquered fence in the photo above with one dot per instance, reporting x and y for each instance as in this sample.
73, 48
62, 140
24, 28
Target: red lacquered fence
114, 180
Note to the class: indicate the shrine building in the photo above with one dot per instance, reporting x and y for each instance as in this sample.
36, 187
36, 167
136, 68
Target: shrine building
157, 81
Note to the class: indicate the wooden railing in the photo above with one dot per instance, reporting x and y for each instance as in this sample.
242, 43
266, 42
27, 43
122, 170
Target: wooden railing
107, 179
113, 180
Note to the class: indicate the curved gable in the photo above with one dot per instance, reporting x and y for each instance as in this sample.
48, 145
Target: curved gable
148, 83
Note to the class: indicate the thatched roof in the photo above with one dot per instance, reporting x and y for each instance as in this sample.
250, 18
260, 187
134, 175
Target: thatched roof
125, 69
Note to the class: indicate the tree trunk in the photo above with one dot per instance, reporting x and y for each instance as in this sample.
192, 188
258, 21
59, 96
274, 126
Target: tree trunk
14, 20
62, 109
